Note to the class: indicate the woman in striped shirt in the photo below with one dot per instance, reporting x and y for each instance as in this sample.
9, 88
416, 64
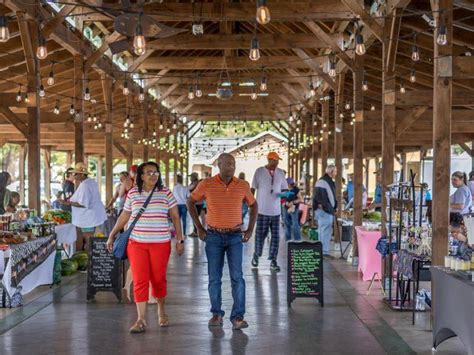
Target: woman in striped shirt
149, 246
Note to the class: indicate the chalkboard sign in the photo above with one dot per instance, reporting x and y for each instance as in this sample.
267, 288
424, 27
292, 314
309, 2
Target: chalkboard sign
305, 271
104, 272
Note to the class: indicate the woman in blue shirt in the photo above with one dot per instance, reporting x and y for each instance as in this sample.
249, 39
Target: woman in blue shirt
461, 200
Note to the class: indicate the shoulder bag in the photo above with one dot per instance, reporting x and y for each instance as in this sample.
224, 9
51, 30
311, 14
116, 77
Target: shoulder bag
120, 244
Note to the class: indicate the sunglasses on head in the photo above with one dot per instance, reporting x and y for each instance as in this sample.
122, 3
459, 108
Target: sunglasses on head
152, 173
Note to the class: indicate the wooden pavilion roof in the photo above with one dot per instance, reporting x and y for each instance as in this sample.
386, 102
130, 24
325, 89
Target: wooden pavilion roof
295, 48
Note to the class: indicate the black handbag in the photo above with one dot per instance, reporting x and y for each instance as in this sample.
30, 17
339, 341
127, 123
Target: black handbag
120, 244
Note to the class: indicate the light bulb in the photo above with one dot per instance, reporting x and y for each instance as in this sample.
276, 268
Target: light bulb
413, 76
353, 114
168, 130
96, 126
298, 121
175, 125
132, 125
50, 80
4, 32
27, 99
365, 85
56, 109
315, 123
352, 123
341, 115
347, 105
99, 124
18, 96
139, 43
141, 95
402, 88
360, 46
290, 116
125, 90
297, 129
254, 50
89, 118
94, 119
41, 91
263, 13
161, 126
415, 53
198, 91
125, 130
442, 38
191, 93
263, 83
71, 110
372, 108
122, 135
87, 94
332, 69
254, 96
41, 51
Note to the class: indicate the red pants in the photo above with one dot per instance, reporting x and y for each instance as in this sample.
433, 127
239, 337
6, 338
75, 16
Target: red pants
148, 262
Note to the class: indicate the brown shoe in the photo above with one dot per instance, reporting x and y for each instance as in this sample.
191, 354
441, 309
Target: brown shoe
239, 323
216, 321
138, 327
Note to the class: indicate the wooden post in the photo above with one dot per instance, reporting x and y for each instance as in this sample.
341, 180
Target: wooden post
69, 159
308, 155
79, 77
158, 142
389, 87
130, 151
108, 89
175, 157
367, 166
145, 131
325, 142
22, 172
403, 158
338, 139
358, 77
166, 159
186, 159
315, 152
99, 174
47, 173
442, 112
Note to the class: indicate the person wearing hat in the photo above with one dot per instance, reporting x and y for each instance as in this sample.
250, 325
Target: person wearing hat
291, 213
88, 211
68, 187
269, 182
377, 201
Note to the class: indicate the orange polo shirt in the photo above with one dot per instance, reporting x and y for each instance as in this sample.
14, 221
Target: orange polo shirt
223, 202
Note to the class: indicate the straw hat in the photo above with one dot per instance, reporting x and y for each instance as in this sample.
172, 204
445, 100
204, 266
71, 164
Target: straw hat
80, 168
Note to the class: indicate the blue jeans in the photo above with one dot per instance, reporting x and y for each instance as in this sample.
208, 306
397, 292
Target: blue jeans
292, 224
183, 213
217, 246
325, 223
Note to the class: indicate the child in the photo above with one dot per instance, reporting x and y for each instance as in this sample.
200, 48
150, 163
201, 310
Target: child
13, 202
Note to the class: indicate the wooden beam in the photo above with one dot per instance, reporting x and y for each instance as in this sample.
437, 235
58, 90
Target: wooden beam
107, 89
292, 91
411, 117
325, 136
315, 65
26, 40
374, 26
443, 100
49, 27
120, 148
339, 138
466, 148
168, 92
463, 67
79, 106
91, 59
150, 82
328, 39
47, 172
14, 120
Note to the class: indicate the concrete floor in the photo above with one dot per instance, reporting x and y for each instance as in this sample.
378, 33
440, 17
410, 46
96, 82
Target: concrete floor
59, 321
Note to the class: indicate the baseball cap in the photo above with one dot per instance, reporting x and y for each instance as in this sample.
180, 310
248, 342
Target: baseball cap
273, 156
134, 168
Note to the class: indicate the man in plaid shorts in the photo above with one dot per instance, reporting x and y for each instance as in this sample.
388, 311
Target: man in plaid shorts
269, 182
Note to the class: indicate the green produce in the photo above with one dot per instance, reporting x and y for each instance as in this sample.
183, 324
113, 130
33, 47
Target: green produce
68, 267
373, 216
81, 258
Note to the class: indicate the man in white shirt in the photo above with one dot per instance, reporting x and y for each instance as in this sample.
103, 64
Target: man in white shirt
181, 194
88, 211
269, 182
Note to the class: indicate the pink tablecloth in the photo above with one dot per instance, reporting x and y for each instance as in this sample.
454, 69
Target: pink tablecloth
370, 260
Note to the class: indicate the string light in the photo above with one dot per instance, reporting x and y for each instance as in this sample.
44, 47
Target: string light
72, 111
87, 94
312, 91
290, 116
89, 117
56, 108
365, 85
99, 124
18, 95
41, 91
263, 13
372, 108
332, 68
4, 32
94, 118
191, 93
50, 80
359, 39
139, 43
264, 83
141, 95
413, 76
27, 98
41, 51
125, 90
442, 38
198, 89
254, 49
402, 88
415, 52
347, 106
254, 92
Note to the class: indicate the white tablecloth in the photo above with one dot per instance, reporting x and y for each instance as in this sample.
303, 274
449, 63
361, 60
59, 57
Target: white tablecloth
66, 233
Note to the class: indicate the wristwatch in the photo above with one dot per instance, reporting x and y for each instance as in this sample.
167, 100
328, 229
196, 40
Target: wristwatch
181, 241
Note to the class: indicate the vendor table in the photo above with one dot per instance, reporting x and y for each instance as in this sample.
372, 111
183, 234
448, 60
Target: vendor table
370, 261
29, 265
453, 308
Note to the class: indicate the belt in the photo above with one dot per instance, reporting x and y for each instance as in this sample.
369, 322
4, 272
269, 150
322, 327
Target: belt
224, 230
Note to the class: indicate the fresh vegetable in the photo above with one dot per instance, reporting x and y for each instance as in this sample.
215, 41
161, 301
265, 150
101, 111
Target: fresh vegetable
57, 216
68, 267
81, 258
373, 216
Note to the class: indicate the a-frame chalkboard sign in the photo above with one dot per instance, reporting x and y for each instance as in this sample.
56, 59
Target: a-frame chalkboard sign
305, 271
104, 271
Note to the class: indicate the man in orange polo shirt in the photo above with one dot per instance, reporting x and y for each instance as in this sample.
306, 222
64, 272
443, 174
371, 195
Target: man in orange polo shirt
224, 195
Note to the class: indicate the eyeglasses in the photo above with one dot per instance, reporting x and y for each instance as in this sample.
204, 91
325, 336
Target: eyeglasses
152, 173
